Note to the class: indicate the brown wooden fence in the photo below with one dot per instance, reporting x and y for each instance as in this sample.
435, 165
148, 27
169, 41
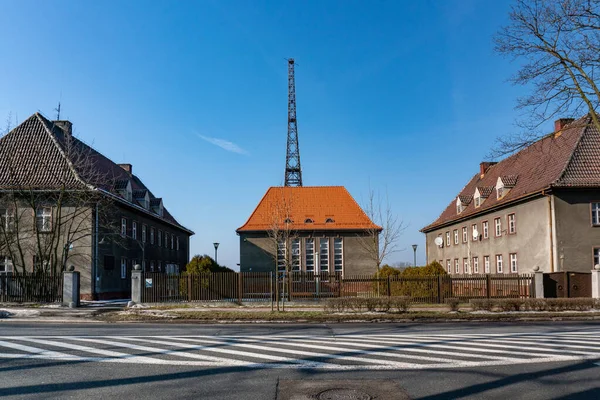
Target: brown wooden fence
264, 286
31, 287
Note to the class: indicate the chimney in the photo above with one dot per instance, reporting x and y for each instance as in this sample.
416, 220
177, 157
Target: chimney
560, 123
66, 126
484, 166
127, 167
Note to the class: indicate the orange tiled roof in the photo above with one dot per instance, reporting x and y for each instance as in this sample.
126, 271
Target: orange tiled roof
301, 205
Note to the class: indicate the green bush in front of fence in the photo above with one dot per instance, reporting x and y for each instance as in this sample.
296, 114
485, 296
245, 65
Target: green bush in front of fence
375, 304
506, 305
415, 282
453, 303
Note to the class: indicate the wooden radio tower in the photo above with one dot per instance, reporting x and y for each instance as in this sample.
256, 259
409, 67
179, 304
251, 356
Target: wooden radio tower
293, 171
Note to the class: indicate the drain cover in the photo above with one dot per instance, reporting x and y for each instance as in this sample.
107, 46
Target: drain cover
343, 394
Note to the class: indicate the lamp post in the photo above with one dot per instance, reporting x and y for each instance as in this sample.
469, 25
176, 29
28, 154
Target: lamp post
415, 251
216, 244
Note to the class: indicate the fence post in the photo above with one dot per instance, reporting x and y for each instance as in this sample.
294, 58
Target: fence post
439, 287
240, 288
596, 282
389, 286
71, 288
136, 284
538, 283
488, 285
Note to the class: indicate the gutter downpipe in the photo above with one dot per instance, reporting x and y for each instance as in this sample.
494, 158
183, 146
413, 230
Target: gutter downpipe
550, 229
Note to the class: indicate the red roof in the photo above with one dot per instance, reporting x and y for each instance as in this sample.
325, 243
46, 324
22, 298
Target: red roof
312, 208
568, 158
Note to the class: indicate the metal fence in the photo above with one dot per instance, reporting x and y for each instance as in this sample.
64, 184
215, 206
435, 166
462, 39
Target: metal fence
31, 287
266, 286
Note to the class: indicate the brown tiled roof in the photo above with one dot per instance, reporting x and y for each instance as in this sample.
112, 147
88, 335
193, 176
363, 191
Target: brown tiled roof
569, 158
485, 191
33, 155
155, 202
316, 203
465, 199
139, 194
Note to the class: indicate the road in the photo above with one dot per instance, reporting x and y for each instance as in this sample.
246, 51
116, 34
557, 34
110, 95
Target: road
557, 360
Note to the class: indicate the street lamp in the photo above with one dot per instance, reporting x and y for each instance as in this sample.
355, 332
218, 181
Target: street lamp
216, 244
415, 251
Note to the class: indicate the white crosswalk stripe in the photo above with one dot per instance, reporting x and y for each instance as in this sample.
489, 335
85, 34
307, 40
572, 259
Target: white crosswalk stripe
339, 352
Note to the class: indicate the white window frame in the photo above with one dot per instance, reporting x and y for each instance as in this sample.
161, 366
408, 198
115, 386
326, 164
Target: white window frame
512, 223
448, 239
465, 234
6, 264
166, 240
476, 265
456, 266
595, 214
144, 232
473, 229
466, 269
123, 268
449, 265
177, 242
309, 246
159, 238
151, 235
324, 252
498, 227
596, 258
456, 236
43, 214
7, 216
514, 268
338, 266
296, 255
134, 229
486, 264
485, 226
281, 255
499, 263
172, 242
123, 226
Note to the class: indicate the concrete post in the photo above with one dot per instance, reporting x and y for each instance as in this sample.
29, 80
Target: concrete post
538, 277
136, 284
596, 282
71, 288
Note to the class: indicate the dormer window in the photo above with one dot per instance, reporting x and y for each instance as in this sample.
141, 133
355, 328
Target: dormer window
329, 221
287, 221
477, 198
142, 197
500, 192
504, 184
157, 206
459, 206
308, 221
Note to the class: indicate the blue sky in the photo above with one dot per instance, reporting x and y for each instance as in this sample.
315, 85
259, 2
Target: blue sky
406, 97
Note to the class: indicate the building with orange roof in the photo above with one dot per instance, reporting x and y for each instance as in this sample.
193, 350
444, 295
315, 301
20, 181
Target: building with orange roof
539, 207
318, 229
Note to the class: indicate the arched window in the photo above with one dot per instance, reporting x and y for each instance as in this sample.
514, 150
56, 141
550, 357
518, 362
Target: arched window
308, 221
329, 221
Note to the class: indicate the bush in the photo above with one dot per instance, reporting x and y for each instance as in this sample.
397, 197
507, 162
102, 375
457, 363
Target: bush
534, 305
400, 303
510, 304
334, 305
482, 304
453, 303
356, 304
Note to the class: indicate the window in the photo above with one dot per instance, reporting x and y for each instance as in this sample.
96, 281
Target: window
123, 227
465, 237
475, 265
159, 238
486, 264
500, 192
5, 265
486, 229
466, 269
43, 219
449, 266
456, 266
172, 242
7, 217
134, 230
498, 225
338, 259
477, 201
123, 268
329, 221
596, 256
447, 239
308, 221
295, 255
144, 233
177, 242
151, 266
144, 265
499, 263
456, 236
595, 214
474, 233
151, 235
324, 254
310, 254
40, 266
159, 266
513, 263
166, 240
512, 227
281, 255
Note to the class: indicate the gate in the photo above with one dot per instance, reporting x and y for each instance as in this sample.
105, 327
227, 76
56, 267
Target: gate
567, 284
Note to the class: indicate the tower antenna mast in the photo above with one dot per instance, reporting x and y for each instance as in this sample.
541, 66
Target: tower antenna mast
293, 171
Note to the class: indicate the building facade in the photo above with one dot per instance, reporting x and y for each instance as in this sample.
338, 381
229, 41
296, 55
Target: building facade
537, 208
308, 229
64, 204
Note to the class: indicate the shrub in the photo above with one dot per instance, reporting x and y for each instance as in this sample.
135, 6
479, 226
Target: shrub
400, 303
575, 304
356, 304
482, 304
534, 305
510, 304
453, 303
334, 305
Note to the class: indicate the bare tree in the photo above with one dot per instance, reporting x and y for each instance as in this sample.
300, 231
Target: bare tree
47, 208
558, 42
381, 239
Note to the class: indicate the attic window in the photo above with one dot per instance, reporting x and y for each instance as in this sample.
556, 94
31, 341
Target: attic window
287, 221
459, 206
308, 221
329, 221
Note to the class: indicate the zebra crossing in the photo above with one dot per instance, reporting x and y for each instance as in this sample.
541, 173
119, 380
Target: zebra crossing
337, 352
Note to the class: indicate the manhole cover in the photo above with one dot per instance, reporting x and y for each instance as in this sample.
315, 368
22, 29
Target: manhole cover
343, 394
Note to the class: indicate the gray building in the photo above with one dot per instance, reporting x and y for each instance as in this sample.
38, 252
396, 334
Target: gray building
309, 229
62, 203
537, 208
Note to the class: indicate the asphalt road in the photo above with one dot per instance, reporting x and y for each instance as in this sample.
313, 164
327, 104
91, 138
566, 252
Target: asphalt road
556, 360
